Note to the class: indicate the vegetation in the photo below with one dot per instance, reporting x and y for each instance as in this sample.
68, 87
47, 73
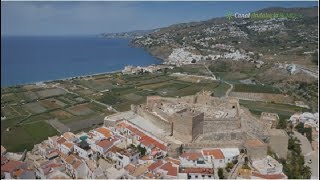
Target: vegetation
142, 150
304, 131
220, 173
294, 166
282, 123
283, 110
254, 88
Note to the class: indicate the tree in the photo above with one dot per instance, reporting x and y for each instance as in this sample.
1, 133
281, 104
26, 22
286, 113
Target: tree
220, 173
282, 123
142, 150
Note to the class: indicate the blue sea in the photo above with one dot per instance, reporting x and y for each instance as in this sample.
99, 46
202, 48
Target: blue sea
34, 59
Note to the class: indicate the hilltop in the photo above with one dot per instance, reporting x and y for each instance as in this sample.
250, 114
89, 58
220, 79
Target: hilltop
282, 52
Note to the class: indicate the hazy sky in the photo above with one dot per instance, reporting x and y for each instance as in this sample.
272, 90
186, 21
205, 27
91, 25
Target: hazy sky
84, 18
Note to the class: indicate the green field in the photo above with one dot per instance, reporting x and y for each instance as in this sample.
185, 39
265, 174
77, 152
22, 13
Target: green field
24, 137
255, 88
27, 108
283, 110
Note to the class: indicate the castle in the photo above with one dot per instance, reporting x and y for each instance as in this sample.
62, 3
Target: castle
202, 120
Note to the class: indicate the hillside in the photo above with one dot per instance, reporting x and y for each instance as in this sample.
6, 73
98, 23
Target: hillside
284, 51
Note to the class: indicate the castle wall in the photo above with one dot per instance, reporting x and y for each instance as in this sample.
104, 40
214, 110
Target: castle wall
153, 118
220, 125
182, 127
190, 147
197, 125
222, 137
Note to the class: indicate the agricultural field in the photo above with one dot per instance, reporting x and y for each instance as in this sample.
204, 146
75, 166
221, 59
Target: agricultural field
283, 110
255, 88
82, 103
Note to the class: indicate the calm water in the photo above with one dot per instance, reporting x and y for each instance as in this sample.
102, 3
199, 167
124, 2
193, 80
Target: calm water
34, 59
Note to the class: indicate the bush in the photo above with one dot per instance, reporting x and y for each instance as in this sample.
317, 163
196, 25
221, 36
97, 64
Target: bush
220, 173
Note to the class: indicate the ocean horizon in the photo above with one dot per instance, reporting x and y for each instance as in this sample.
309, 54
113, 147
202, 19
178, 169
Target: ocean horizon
32, 59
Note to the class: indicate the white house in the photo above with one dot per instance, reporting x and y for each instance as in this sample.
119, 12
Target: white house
76, 167
196, 173
215, 157
66, 147
230, 154
127, 156
102, 146
193, 159
267, 165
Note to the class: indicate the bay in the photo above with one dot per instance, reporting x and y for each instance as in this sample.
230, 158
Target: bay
36, 59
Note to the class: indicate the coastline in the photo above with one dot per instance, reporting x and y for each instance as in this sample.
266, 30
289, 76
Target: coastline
7, 83
62, 79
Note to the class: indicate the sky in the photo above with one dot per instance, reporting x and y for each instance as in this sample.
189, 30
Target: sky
50, 18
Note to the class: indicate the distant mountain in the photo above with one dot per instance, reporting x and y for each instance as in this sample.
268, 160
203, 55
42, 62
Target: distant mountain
306, 12
218, 36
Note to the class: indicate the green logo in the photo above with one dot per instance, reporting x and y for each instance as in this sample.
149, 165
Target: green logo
229, 15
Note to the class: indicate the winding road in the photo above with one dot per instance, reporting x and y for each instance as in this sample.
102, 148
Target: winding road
231, 85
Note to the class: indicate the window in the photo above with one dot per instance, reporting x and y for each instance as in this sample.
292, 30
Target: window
189, 177
209, 176
196, 176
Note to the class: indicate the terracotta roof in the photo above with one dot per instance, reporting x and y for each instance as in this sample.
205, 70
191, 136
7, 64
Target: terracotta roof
61, 140
76, 164
254, 143
103, 130
4, 160
197, 170
147, 141
216, 153
114, 149
135, 131
130, 168
106, 143
191, 156
269, 176
174, 161
19, 172
74, 161
155, 165
122, 124
172, 171
144, 158
150, 175
68, 144
10, 166
68, 135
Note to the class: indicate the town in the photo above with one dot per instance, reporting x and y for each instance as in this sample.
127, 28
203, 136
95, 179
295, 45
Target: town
223, 98
191, 137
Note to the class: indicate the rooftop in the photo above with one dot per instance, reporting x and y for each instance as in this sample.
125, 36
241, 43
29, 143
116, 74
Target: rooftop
105, 131
216, 153
192, 156
107, 142
254, 143
265, 163
10, 166
155, 165
197, 170
129, 151
61, 140
171, 170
